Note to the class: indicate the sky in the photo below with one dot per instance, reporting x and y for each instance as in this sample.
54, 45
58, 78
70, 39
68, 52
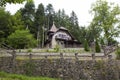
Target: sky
80, 7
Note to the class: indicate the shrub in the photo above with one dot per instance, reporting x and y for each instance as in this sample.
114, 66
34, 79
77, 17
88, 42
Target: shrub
29, 50
86, 46
21, 39
97, 47
57, 48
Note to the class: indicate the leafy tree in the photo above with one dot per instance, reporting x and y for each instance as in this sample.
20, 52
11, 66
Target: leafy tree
4, 2
106, 17
5, 24
17, 22
94, 31
21, 39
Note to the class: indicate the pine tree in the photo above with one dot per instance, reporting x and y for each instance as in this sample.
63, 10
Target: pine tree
28, 13
97, 47
86, 46
39, 24
49, 15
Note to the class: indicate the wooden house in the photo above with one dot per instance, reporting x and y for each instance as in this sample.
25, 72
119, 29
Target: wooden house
61, 37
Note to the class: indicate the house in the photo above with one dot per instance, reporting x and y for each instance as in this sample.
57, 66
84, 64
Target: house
61, 37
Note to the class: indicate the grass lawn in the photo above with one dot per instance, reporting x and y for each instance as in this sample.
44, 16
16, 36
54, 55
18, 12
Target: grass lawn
7, 76
65, 50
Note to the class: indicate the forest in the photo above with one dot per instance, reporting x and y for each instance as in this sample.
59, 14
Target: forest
26, 28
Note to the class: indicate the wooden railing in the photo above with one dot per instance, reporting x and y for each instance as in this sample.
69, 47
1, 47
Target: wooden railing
64, 56
93, 56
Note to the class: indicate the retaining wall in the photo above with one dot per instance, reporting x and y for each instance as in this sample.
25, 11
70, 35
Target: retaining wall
65, 69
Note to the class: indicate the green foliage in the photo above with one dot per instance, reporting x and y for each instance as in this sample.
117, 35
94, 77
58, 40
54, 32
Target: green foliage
17, 22
5, 24
39, 24
29, 68
97, 47
57, 48
106, 18
102, 41
86, 46
118, 53
49, 15
21, 39
4, 2
28, 13
6, 76
112, 41
29, 50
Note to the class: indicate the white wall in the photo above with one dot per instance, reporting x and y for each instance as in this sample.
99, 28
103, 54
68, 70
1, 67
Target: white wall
54, 42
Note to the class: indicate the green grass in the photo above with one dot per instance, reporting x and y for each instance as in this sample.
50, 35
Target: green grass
7, 76
66, 50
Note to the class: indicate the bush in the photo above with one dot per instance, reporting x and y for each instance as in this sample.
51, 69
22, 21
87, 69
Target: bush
97, 47
86, 46
21, 39
57, 48
29, 50
118, 53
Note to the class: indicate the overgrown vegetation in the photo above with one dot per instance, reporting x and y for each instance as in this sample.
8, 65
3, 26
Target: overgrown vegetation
6, 76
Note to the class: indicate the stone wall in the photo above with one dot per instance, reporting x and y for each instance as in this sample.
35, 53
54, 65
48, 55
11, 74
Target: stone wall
65, 69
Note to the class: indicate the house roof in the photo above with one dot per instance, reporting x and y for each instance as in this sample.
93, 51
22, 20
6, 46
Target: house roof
63, 28
53, 28
67, 31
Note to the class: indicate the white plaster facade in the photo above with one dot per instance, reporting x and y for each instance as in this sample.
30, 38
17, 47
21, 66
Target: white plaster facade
59, 34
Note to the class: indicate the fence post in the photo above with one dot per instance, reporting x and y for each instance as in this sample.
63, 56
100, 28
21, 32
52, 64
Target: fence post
13, 60
76, 56
30, 56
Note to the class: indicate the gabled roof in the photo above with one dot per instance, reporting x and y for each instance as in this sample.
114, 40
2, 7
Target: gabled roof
66, 30
63, 28
53, 28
